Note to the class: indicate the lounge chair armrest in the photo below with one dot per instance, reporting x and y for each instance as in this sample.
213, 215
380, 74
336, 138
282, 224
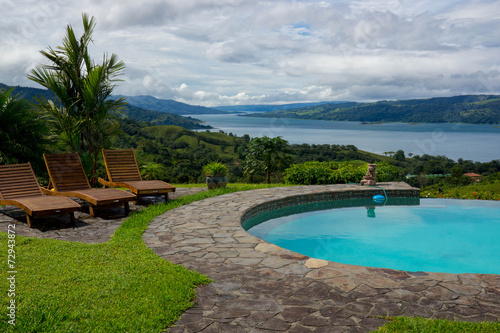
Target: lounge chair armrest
104, 182
46, 191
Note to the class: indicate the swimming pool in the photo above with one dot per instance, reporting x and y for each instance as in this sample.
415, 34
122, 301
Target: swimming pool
433, 235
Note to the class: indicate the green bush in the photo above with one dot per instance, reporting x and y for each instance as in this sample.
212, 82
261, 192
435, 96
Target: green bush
348, 173
387, 172
154, 171
321, 173
309, 173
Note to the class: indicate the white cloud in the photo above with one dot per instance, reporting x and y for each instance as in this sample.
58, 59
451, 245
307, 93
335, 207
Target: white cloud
216, 52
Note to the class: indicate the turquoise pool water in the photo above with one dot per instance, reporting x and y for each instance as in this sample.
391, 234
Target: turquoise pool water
437, 235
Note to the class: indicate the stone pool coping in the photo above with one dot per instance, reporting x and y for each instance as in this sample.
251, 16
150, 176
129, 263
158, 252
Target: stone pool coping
260, 287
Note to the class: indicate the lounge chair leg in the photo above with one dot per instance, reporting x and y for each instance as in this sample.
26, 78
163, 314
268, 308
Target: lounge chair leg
29, 220
91, 210
72, 218
127, 208
166, 197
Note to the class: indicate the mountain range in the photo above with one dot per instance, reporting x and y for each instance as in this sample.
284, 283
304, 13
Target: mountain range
268, 107
168, 105
472, 109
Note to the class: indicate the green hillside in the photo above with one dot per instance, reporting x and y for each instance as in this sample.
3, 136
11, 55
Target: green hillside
473, 109
170, 106
162, 118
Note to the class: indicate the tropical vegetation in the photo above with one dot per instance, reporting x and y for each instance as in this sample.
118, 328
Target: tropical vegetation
266, 154
23, 133
83, 117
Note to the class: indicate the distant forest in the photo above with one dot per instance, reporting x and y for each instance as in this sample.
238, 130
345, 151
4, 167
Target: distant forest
472, 109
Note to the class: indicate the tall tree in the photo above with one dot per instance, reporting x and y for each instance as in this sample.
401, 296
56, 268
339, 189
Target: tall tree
84, 116
22, 132
268, 155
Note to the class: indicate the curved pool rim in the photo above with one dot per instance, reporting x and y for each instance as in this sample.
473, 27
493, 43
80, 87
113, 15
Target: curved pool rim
319, 201
402, 192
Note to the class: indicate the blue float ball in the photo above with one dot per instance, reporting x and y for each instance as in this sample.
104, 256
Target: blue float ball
378, 198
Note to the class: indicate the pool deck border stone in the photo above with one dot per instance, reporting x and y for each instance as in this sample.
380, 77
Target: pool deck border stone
260, 287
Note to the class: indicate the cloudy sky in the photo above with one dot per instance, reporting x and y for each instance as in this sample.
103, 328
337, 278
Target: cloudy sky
225, 52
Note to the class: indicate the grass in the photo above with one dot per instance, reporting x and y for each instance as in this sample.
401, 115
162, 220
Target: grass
418, 325
117, 286
474, 191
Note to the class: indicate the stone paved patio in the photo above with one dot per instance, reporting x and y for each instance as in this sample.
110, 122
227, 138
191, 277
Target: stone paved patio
259, 287
87, 229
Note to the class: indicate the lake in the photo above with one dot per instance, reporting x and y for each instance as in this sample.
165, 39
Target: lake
469, 142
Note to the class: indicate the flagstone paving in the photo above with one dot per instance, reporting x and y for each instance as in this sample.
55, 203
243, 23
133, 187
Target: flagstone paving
86, 229
259, 287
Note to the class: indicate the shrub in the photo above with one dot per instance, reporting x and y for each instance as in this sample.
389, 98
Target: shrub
309, 173
348, 173
215, 169
320, 173
387, 172
154, 171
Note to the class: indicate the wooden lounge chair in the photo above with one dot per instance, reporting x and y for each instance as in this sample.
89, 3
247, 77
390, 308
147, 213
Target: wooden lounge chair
68, 179
123, 171
19, 187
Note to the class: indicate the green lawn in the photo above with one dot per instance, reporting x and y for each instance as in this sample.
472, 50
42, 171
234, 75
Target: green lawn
118, 286
421, 325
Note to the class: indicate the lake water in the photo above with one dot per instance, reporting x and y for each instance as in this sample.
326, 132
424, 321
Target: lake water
470, 142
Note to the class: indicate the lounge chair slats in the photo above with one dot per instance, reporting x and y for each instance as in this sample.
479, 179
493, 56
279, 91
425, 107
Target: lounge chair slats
123, 171
19, 187
121, 165
69, 179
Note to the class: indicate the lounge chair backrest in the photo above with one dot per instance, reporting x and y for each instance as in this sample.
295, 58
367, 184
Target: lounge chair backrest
121, 165
17, 181
66, 172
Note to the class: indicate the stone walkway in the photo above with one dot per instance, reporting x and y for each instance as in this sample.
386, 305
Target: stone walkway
259, 287
87, 229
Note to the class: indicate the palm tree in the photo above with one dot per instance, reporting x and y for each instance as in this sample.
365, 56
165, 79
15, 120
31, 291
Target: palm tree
83, 116
22, 132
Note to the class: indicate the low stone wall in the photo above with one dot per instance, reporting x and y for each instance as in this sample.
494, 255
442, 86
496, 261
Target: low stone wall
341, 196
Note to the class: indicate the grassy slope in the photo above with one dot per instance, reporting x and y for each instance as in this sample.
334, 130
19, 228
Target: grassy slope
473, 191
